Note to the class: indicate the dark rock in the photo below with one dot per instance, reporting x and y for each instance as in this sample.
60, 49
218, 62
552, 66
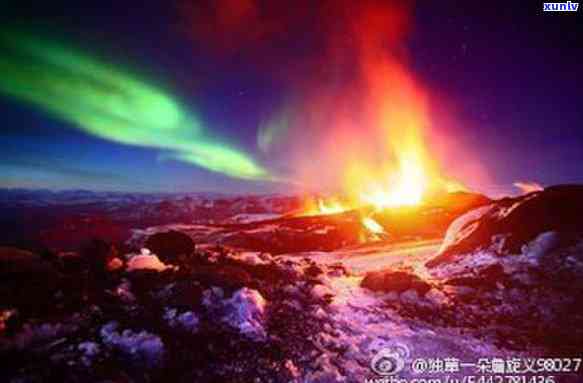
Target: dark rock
171, 246
520, 220
145, 281
430, 220
96, 254
486, 278
230, 276
493, 273
15, 261
397, 281
460, 201
515, 268
71, 263
313, 271
28, 281
185, 294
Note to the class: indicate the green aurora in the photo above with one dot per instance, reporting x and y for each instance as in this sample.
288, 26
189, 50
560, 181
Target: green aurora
111, 104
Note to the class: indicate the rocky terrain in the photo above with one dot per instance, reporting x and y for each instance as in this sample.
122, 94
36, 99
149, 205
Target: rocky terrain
511, 271
65, 220
257, 293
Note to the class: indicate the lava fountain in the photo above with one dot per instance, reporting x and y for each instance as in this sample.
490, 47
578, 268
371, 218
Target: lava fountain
351, 118
378, 123
397, 110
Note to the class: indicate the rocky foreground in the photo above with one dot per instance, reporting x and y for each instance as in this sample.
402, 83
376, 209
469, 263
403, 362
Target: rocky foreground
209, 302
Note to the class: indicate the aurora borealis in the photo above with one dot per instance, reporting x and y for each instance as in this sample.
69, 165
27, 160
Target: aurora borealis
111, 104
262, 96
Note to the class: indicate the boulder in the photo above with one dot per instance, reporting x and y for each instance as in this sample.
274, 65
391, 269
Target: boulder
171, 246
96, 254
17, 261
514, 268
515, 222
397, 281
232, 276
28, 281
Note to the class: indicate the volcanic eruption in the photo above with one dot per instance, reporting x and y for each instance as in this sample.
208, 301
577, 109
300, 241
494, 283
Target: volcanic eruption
353, 119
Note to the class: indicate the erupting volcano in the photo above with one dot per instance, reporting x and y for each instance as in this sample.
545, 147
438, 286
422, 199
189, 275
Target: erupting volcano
353, 119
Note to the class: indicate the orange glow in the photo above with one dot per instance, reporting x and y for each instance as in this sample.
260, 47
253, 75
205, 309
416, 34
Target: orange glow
397, 168
330, 207
408, 173
528, 186
323, 206
404, 186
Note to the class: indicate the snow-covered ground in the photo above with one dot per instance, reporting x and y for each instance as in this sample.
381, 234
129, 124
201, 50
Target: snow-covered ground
374, 257
359, 325
250, 218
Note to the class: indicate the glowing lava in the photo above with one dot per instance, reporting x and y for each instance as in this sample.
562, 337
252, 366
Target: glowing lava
406, 173
372, 226
330, 207
406, 188
323, 206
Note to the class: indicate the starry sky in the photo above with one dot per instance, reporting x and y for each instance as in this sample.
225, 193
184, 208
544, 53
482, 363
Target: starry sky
504, 84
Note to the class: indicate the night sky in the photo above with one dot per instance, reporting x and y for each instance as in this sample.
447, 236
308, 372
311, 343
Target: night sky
504, 85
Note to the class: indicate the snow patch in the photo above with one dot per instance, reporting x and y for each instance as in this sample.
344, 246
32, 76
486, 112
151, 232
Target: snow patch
246, 312
251, 257
321, 291
359, 323
469, 262
251, 218
541, 245
124, 293
187, 320
90, 351
262, 229
141, 346
145, 261
212, 297
463, 226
